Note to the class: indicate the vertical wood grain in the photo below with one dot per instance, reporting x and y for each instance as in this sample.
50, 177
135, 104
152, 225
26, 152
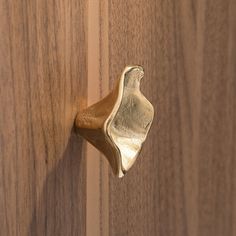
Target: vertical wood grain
43, 81
184, 181
104, 90
97, 203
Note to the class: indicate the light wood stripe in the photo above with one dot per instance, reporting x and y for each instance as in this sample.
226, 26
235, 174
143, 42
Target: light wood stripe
97, 168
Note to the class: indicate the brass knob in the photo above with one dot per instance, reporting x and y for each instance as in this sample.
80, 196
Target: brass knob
118, 124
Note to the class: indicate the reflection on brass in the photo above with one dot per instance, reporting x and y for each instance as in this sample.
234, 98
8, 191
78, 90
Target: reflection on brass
118, 124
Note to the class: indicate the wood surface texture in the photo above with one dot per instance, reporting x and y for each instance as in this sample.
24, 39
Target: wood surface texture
43, 61
184, 182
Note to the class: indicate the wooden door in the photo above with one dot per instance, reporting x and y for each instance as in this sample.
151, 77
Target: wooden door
42, 86
57, 57
184, 181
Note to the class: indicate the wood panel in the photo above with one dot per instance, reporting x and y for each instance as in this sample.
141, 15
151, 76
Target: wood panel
43, 81
184, 181
98, 86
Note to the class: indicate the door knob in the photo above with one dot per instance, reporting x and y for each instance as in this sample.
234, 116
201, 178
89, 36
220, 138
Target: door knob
118, 124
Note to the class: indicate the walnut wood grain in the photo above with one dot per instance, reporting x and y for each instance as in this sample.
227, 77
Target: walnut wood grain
184, 181
42, 85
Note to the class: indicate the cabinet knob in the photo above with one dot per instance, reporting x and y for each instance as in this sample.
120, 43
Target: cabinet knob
118, 124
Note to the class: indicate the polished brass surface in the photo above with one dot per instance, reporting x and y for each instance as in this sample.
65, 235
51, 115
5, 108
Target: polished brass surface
118, 124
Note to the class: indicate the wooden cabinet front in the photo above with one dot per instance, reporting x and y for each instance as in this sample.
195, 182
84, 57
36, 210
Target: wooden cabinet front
57, 57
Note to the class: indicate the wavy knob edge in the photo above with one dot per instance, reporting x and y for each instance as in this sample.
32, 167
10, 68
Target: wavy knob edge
118, 124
